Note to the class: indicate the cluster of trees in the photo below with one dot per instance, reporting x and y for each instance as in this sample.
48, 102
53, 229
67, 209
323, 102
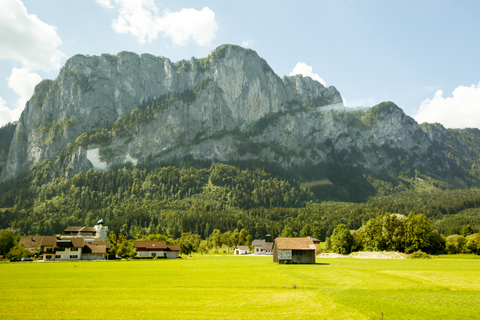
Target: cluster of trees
397, 232
123, 247
466, 242
9, 247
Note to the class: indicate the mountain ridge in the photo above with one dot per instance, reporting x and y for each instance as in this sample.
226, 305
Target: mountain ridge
105, 112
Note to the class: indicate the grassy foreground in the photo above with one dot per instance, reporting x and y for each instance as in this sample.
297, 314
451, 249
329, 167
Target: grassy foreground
228, 287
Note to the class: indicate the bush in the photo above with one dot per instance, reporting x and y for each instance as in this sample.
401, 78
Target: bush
17, 253
420, 255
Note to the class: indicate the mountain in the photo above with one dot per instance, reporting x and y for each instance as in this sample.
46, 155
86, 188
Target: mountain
107, 112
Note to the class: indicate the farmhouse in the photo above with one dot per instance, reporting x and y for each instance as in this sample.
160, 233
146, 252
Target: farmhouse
263, 246
293, 250
75, 243
241, 250
156, 249
51, 248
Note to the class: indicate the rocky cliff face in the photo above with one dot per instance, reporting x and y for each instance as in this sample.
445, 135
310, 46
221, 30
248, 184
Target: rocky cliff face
229, 106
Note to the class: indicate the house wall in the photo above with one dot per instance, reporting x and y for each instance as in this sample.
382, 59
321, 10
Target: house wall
49, 256
303, 256
172, 254
93, 256
65, 255
151, 253
297, 256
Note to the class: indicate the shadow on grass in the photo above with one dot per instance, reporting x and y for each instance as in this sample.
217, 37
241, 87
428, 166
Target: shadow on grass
318, 264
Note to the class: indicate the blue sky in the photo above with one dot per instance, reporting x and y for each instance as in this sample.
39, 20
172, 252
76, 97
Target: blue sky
422, 55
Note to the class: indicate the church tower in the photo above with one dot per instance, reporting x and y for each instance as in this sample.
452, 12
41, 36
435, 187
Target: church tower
101, 229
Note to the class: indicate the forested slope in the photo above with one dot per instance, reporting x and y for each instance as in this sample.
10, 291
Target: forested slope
171, 200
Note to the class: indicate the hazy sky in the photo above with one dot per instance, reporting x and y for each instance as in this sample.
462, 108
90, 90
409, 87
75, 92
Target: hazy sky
422, 55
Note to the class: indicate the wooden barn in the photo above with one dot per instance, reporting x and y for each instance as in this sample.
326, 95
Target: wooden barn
293, 250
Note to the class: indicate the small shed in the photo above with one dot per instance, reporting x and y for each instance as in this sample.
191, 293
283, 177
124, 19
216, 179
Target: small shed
294, 250
241, 250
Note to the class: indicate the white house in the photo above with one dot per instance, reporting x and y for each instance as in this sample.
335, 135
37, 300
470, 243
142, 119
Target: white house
241, 250
261, 247
157, 249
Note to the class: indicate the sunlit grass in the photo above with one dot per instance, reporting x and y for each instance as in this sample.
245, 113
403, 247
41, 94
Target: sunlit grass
228, 287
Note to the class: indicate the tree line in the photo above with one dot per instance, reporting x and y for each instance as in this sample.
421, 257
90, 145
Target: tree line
397, 232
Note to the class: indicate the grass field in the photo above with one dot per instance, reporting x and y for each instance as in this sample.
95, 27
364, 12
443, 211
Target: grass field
228, 287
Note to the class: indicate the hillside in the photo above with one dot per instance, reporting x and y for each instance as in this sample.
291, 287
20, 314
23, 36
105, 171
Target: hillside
142, 142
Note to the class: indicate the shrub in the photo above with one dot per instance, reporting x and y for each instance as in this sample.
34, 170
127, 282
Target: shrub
420, 255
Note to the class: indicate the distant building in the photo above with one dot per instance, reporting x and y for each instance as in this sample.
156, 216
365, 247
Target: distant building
75, 243
157, 249
50, 248
240, 250
294, 250
99, 231
263, 247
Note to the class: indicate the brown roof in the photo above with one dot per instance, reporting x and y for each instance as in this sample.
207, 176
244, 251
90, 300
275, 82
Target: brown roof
70, 243
174, 247
38, 241
161, 245
49, 241
77, 242
294, 244
93, 248
31, 241
99, 242
243, 248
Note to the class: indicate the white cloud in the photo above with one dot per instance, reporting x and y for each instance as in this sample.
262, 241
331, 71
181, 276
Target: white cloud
142, 19
7, 115
27, 39
105, 3
459, 111
190, 23
307, 71
23, 81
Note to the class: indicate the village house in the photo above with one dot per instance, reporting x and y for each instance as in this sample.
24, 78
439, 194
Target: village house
75, 243
240, 250
294, 250
157, 249
263, 246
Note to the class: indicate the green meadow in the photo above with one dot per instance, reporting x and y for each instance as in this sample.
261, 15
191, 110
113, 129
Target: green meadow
244, 287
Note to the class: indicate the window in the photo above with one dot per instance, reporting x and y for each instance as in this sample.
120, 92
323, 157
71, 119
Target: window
73, 257
48, 257
57, 256
49, 249
60, 249
73, 249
